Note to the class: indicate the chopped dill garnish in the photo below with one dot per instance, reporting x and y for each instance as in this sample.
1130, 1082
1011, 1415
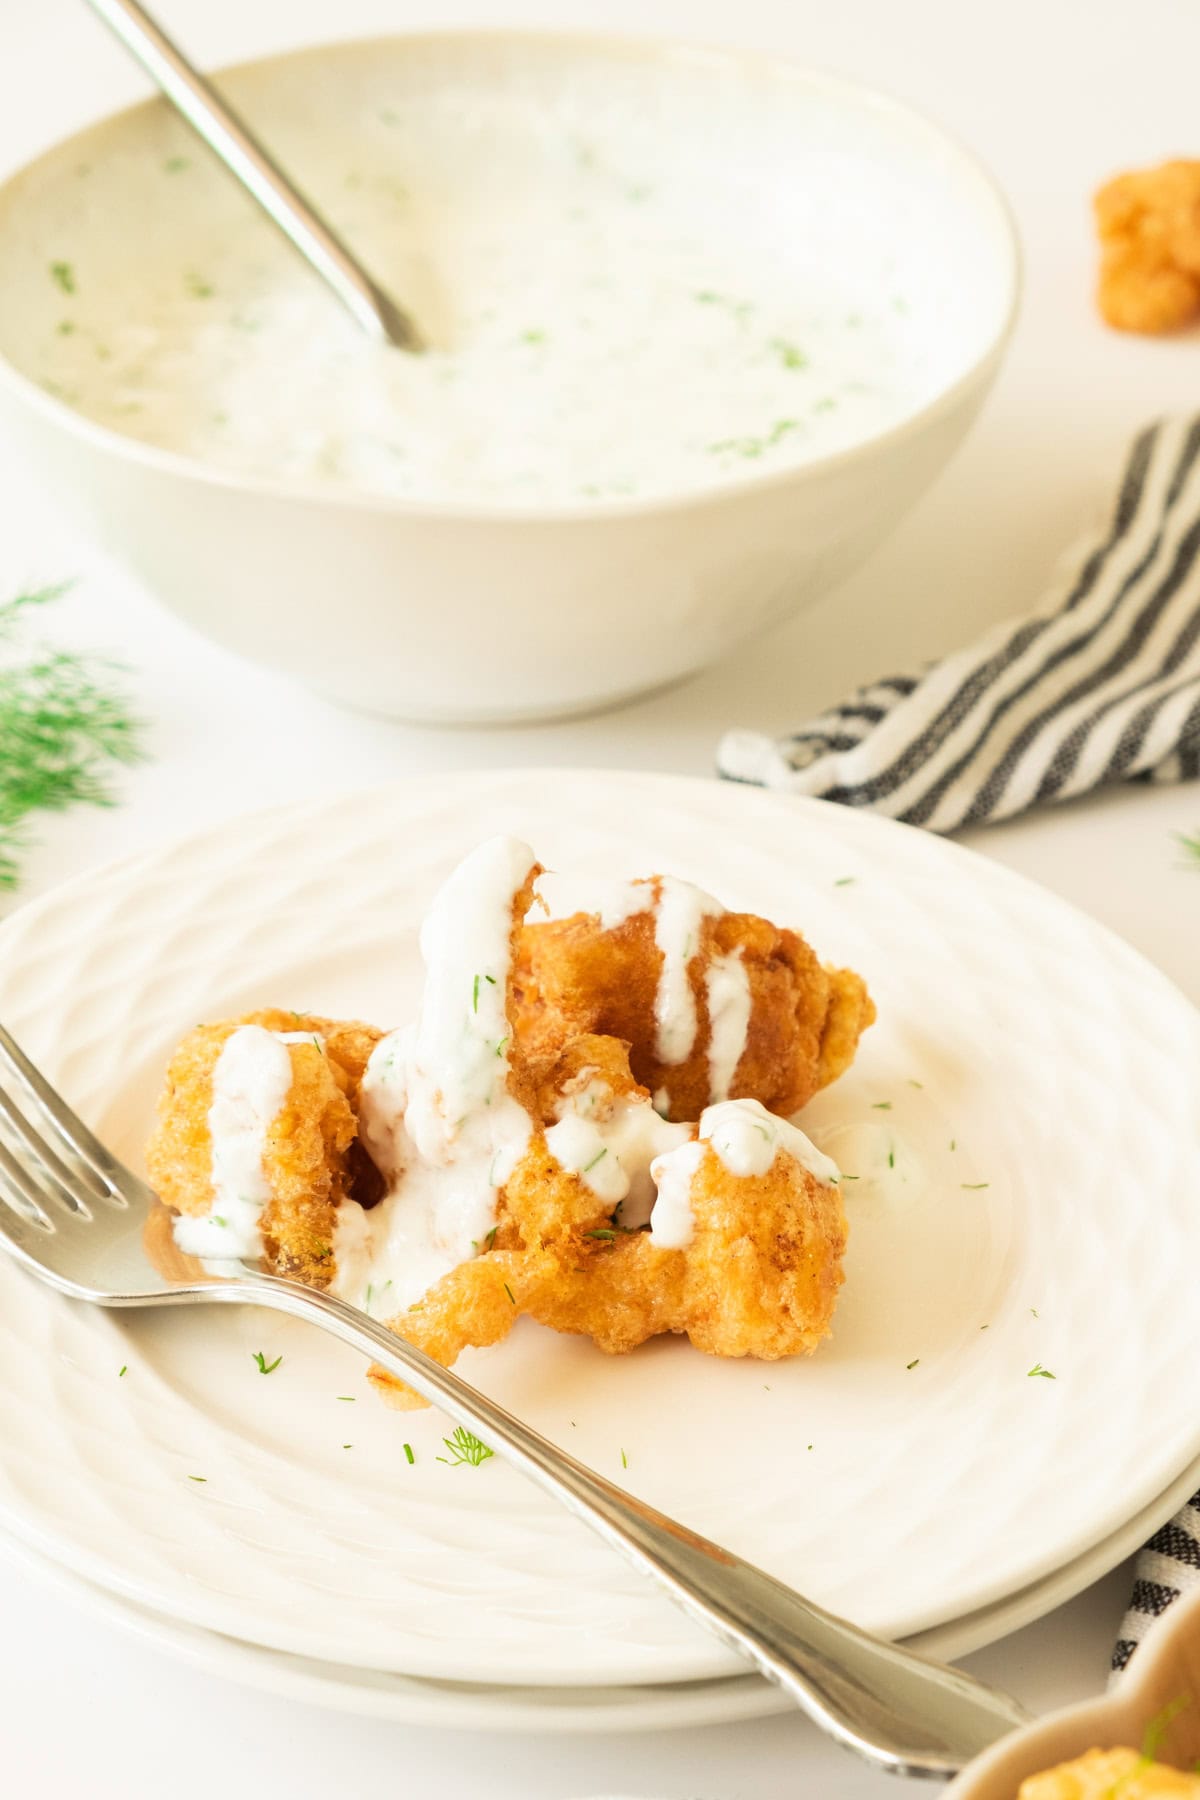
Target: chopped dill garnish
500, 1046
600, 1234
913, 1363
509, 1292
881, 1105
464, 1447
408, 1454
347, 1446
475, 996
60, 724
845, 881
533, 337
624, 1460
891, 1159
264, 1367
954, 1143
1034, 1311
174, 164
197, 1477
349, 1397
122, 1370
198, 287
490, 1239
790, 355
973, 1187
1160, 1724
1190, 845
64, 275
1046, 1375
915, 1084
754, 447
599, 1157
66, 328
846, 1177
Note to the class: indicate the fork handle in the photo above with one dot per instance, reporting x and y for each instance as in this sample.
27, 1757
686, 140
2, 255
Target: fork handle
899, 1710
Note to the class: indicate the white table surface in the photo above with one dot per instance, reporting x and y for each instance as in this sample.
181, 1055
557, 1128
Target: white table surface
1054, 97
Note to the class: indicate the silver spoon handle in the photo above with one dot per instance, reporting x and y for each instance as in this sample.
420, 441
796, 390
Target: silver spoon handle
900, 1711
245, 157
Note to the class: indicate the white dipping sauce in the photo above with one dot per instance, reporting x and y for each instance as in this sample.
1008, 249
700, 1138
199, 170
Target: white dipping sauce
608, 319
251, 1080
672, 1222
435, 1111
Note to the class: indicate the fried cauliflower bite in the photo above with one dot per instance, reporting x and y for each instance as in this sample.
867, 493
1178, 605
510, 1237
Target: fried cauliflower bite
1102, 1774
306, 1146
1149, 227
758, 1275
802, 1022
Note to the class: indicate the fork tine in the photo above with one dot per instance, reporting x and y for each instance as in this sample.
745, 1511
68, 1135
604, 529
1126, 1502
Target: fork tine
120, 1184
50, 1165
34, 1196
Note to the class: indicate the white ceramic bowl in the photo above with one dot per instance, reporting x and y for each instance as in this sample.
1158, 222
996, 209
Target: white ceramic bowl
476, 613
1162, 1685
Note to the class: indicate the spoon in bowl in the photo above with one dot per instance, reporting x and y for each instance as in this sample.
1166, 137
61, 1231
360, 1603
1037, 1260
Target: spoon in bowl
246, 159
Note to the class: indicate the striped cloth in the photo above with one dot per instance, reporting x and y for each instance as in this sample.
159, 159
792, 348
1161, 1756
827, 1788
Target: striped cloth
1167, 1567
1100, 683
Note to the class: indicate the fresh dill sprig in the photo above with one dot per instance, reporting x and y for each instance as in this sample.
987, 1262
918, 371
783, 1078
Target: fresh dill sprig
265, 1367
465, 1447
1046, 1375
60, 723
1190, 845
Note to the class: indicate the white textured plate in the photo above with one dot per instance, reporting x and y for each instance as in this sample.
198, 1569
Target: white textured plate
1061, 1068
479, 1706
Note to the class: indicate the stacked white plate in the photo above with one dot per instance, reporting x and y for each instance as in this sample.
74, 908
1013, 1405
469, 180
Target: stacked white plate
1004, 1411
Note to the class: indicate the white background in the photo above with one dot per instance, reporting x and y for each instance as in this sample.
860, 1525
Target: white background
1055, 95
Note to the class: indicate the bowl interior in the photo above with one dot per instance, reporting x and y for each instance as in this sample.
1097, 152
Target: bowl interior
798, 210
1154, 1707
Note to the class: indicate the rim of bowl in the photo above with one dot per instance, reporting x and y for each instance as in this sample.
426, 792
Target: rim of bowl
732, 487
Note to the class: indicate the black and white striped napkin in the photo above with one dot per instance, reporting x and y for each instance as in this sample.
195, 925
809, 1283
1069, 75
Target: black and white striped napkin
1167, 1567
1100, 683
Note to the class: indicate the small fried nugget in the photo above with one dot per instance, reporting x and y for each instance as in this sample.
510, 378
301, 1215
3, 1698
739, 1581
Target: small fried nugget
1107, 1774
743, 1009
1149, 227
306, 1145
764, 1265
758, 1277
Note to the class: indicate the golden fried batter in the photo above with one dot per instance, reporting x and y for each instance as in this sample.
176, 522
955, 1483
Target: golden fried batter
574, 977
1105, 1774
306, 1157
759, 1278
1149, 226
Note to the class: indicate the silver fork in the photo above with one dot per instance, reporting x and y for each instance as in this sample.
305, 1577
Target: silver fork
73, 1215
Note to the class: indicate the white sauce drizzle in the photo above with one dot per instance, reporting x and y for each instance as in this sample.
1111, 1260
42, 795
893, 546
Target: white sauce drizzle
727, 987
672, 1223
251, 1080
747, 1138
678, 917
435, 1111
610, 1144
